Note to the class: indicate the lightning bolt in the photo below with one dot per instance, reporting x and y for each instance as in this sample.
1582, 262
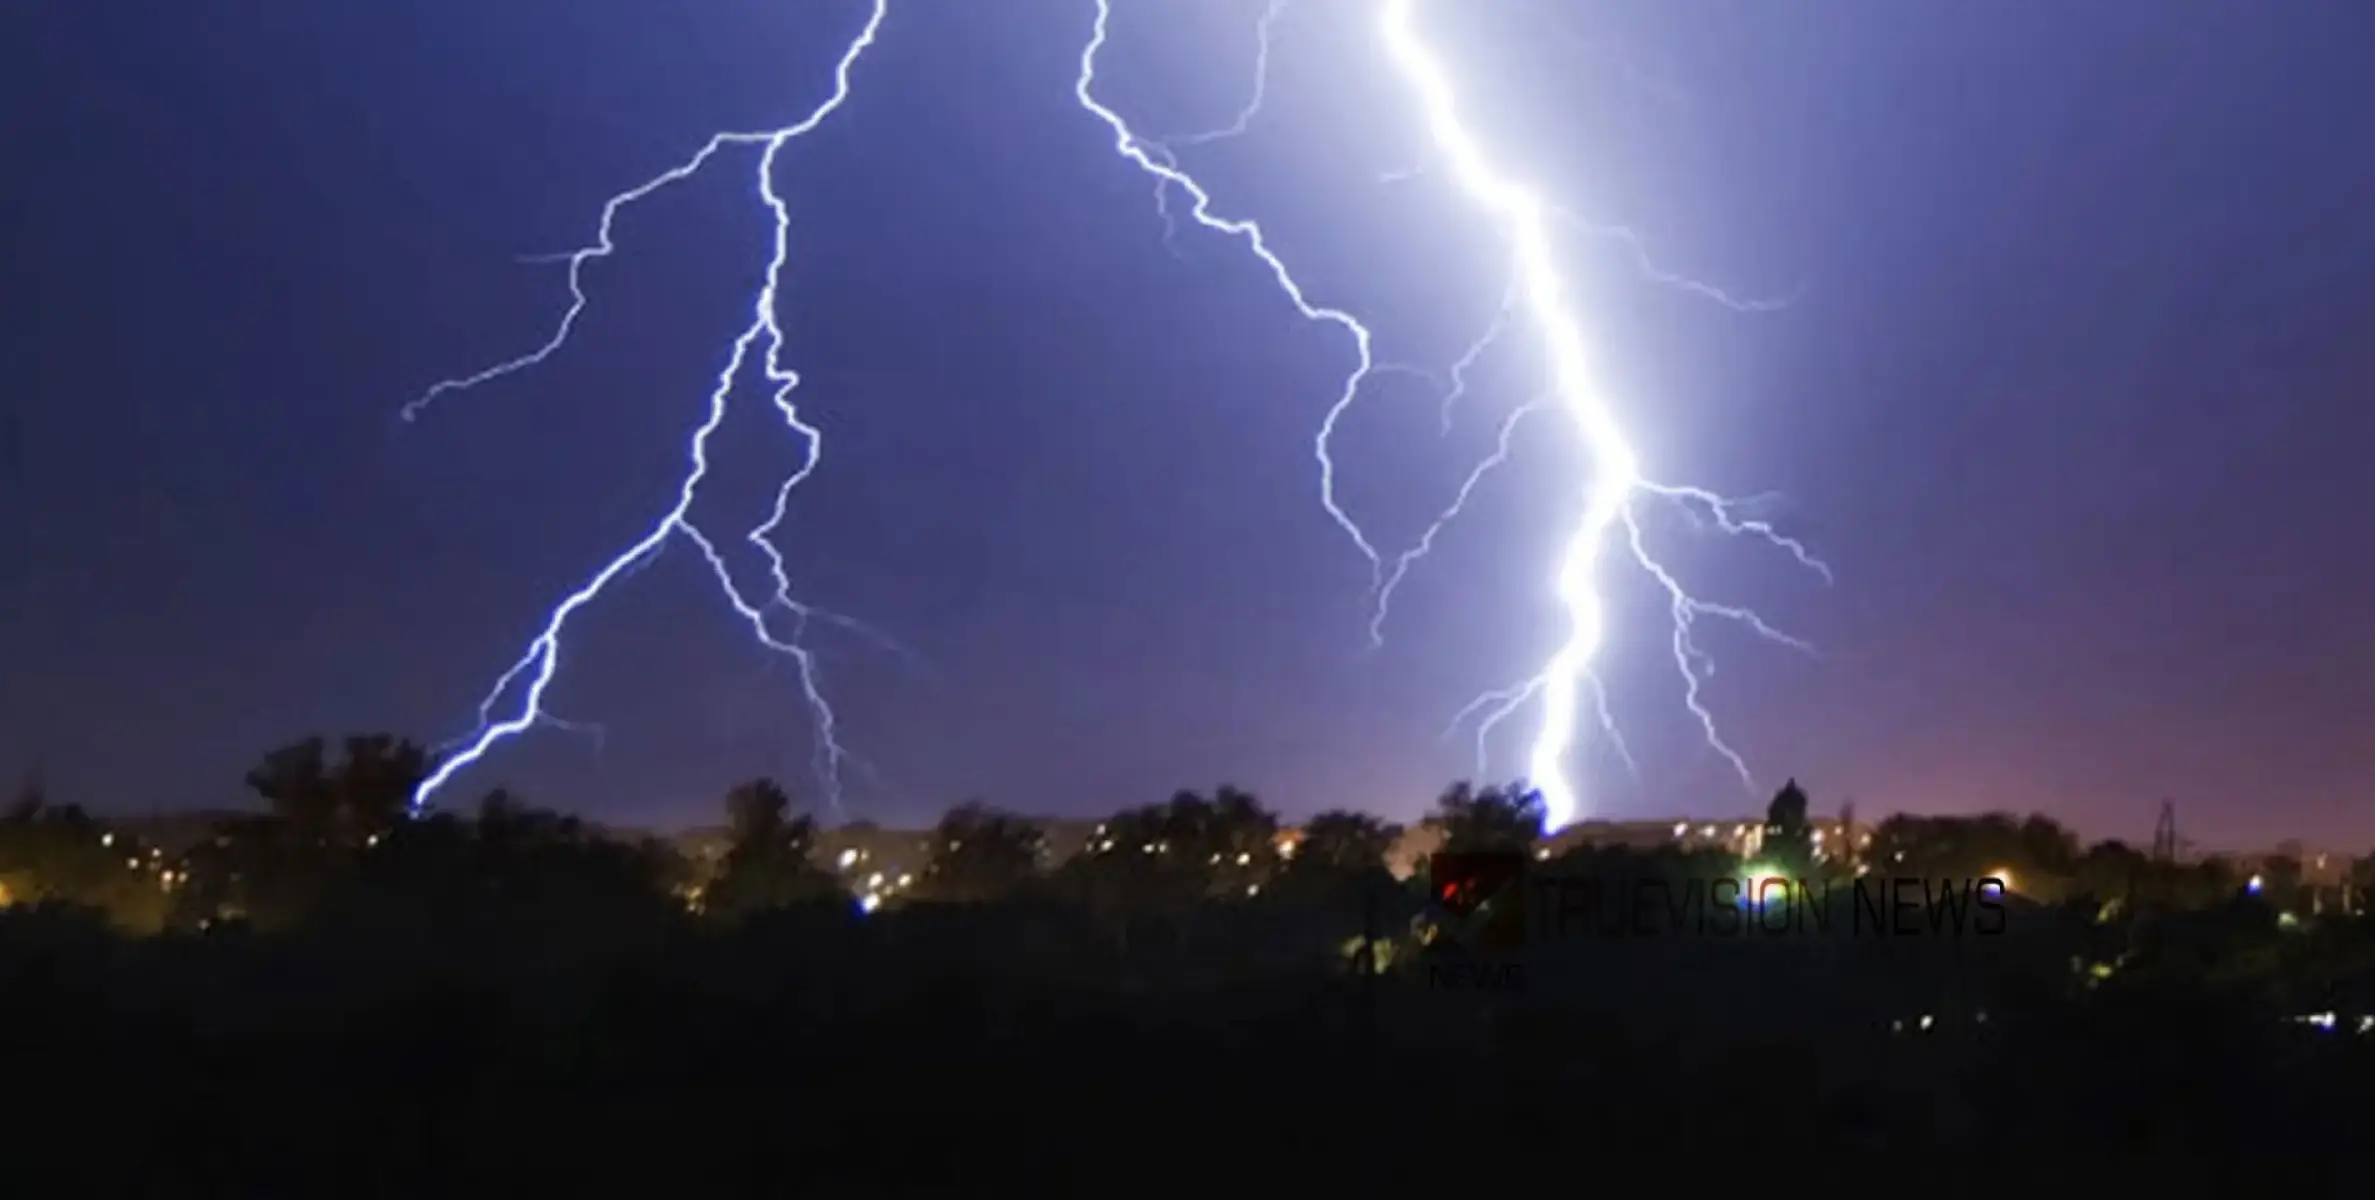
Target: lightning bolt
1400, 569
1537, 291
761, 343
1158, 161
1166, 148
1263, 34
1466, 362
1613, 499
1611, 504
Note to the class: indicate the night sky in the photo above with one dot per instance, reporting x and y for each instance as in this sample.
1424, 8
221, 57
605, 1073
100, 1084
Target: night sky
2074, 398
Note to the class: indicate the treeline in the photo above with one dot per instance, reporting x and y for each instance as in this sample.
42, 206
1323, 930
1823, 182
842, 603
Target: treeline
334, 832
331, 997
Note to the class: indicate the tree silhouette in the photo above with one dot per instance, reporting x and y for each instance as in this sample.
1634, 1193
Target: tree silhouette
1506, 819
1339, 842
767, 864
982, 853
1788, 844
294, 782
1239, 838
2361, 885
2046, 850
757, 809
1165, 860
551, 871
499, 808
2280, 880
60, 855
2037, 852
1338, 864
348, 802
2109, 871
1125, 866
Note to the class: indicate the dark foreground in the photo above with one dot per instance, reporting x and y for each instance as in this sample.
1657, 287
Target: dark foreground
945, 1050
329, 1000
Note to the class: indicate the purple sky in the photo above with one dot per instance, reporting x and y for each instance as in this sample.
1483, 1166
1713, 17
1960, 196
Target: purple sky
2069, 400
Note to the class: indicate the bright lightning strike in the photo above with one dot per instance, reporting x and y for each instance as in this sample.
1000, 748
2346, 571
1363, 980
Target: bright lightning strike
760, 343
1612, 498
1538, 292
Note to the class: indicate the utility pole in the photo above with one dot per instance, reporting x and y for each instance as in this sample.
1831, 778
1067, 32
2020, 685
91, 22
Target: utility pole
2164, 834
1851, 854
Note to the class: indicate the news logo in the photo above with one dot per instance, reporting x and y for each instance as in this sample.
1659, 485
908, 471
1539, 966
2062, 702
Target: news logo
1478, 900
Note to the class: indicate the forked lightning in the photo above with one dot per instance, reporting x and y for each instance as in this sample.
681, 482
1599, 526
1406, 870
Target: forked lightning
542, 659
1610, 507
1538, 294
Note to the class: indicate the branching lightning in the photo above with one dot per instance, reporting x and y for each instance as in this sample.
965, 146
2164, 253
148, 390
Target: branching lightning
1263, 34
1157, 161
541, 661
1612, 498
1611, 505
1165, 147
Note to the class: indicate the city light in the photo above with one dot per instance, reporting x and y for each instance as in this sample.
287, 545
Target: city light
1760, 877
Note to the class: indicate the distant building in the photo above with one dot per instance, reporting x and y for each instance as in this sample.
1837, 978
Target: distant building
2319, 868
1734, 836
1833, 837
177, 833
